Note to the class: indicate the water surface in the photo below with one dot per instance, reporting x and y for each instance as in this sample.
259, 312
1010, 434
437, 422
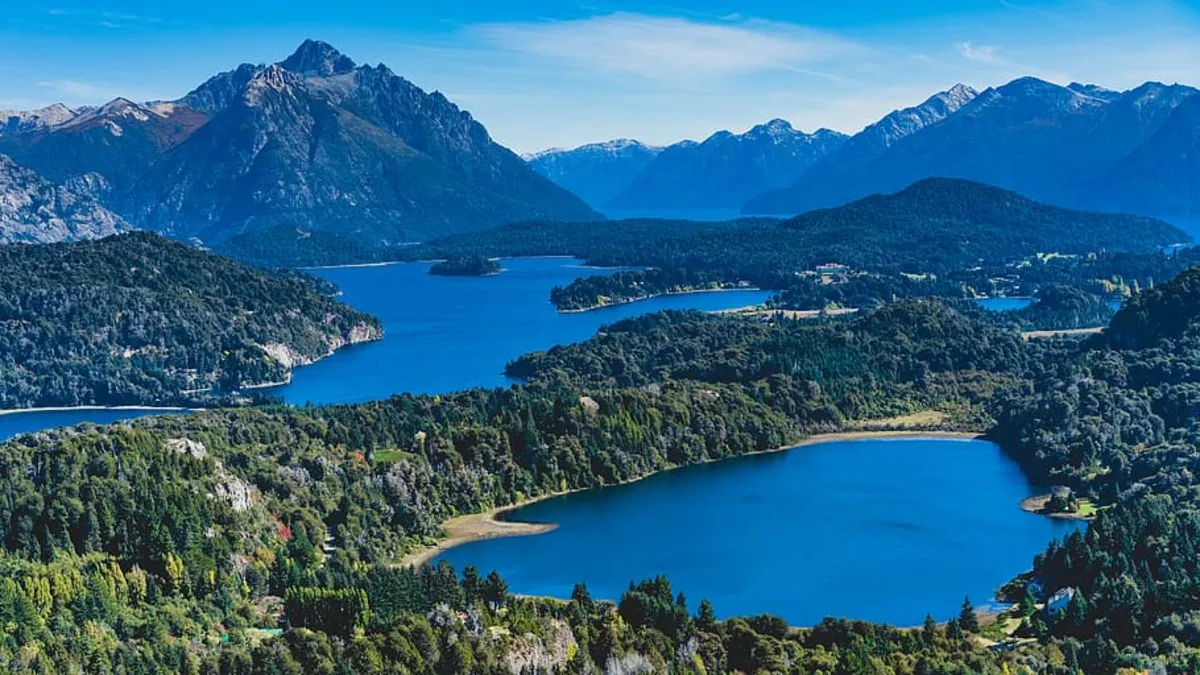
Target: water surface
883, 530
1004, 304
444, 334
15, 424
441, 334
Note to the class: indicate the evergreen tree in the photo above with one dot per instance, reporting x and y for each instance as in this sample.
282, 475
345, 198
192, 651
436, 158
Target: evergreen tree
966, 617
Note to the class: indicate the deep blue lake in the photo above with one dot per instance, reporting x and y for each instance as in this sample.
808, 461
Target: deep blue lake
1013, 304
441, 334
444, 334
883, 530
1004, 304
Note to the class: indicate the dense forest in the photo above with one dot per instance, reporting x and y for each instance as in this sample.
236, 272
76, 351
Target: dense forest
469, 266
264, 540
285, 246
136, 319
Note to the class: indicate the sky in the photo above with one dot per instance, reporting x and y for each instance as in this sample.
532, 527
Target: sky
545, 73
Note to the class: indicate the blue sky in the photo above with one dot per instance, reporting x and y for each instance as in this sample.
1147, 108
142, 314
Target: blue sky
543, 73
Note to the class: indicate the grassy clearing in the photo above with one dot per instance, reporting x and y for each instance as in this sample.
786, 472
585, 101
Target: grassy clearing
1087, 508
923, 419
390, 456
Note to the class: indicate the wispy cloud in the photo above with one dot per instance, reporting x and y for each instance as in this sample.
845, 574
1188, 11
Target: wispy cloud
980, 53
76, 90
669, 48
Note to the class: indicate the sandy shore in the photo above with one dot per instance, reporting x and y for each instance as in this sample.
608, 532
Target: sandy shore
491, 525
18, 411
478, 526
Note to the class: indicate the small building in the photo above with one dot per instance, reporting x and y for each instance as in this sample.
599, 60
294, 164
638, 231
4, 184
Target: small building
1058, 603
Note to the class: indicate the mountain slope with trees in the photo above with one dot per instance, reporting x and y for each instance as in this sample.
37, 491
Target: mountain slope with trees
181, 544
136, 319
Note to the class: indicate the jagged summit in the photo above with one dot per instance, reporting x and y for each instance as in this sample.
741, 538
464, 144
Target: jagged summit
959, 93
314, 58
1093, 90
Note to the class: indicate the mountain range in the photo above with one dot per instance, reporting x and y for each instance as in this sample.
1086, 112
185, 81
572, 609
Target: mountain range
596, 172
313, 141
721, 172
1080, 145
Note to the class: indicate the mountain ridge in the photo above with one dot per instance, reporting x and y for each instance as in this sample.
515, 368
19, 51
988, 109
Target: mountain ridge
726, 168
312, 141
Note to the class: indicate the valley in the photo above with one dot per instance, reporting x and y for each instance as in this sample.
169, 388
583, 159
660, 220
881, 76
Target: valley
304, 370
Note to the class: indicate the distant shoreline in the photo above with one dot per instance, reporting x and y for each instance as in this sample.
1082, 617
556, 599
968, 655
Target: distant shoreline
630, 301
491, 524
22, 411
354, 265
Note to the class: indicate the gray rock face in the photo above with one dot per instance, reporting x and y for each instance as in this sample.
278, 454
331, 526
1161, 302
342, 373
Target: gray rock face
727, 169
313, 141
34, 210
16, 121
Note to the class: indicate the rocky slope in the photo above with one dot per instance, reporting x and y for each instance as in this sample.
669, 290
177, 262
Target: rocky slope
34, 210
314, 141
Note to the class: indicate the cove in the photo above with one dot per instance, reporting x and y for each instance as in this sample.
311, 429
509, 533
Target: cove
883, 530
15, 424
444, 334
441, 334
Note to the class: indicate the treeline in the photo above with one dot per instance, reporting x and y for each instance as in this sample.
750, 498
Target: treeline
136, 319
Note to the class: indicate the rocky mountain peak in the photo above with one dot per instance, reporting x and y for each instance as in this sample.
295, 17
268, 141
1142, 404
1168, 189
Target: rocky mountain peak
272, 78
958, 95
314, 58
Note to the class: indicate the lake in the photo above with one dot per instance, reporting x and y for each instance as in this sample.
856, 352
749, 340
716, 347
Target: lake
882, 529
441, 334
1013, 304
444, 334
1004, 304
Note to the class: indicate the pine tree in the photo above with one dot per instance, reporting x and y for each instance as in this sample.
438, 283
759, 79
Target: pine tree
929, 631
967, 619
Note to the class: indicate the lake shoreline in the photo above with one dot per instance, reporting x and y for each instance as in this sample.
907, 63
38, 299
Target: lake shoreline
22, 411
491, 524
652, 296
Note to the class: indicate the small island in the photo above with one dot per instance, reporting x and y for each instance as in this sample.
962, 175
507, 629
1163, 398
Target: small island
471, 266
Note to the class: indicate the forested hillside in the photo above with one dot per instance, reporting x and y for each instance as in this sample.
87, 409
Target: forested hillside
183, 544
136, 319
939, 237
